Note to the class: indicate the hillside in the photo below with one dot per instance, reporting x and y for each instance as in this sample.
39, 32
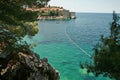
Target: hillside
53, 12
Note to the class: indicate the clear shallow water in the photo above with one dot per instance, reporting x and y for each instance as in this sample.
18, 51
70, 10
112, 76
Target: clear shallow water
53, 43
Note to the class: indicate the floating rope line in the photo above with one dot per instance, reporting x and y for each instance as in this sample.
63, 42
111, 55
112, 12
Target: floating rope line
68, 36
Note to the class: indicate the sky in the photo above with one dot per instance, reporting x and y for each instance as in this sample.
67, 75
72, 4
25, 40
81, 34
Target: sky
97, 6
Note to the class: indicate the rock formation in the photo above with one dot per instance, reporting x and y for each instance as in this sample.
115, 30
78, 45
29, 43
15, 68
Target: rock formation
25, 65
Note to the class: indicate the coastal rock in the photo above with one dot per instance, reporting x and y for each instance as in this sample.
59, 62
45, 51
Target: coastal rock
26, 66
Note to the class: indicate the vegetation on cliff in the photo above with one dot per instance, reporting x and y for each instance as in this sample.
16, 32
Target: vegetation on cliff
107, 53
16, 20
17, 61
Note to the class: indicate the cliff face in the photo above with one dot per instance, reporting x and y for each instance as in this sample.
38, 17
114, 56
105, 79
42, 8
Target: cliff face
26, 66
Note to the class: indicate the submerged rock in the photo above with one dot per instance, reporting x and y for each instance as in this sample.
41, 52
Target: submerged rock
26, 66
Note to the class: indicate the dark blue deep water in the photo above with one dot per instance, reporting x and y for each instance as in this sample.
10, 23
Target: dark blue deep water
53, 43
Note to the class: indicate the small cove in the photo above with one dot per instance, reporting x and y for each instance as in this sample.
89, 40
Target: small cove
52, 43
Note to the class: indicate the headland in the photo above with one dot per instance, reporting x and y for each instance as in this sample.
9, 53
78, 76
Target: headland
53, 13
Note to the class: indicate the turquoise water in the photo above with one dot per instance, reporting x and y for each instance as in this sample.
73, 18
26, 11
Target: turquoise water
51, 42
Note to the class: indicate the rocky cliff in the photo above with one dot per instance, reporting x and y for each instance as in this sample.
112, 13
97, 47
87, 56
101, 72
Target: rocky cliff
25, 65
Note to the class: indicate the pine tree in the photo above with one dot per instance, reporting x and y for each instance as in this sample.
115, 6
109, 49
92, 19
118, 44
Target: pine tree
107, 53
16, 22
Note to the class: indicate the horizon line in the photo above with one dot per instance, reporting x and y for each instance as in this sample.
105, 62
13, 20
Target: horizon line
94, 12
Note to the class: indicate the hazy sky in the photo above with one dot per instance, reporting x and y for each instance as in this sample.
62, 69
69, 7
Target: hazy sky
106, 6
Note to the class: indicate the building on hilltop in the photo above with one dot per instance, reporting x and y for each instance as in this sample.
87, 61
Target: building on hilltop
65, 14
53, 12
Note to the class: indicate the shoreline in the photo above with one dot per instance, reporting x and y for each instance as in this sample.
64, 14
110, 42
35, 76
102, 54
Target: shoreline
55, 18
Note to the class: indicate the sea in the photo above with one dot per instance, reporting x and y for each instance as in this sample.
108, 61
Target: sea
63, 42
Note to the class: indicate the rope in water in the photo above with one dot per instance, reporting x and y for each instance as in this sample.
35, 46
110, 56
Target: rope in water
68, 36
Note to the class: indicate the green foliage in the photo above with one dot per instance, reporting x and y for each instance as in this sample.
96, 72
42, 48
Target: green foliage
53, 13
13, 16
15, 23
50, 13
44, 13
42, 3
107, 53
32, 28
